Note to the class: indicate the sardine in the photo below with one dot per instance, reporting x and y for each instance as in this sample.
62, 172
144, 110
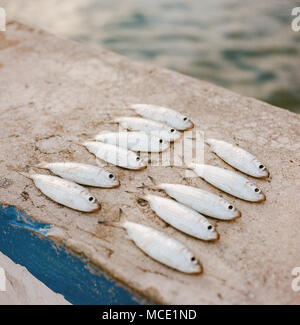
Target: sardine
229, 182
160, 247
150, 127
202, 201
65, 192
135, 141
165, 115
115, 155
182, 218
238, 158
82, 173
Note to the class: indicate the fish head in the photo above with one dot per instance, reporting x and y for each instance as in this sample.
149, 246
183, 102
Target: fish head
256, 194
89, 202
182, 123
191, 262
158, 144
109, 179
135, 162
210, 232
260, 170
172, 134
229, 211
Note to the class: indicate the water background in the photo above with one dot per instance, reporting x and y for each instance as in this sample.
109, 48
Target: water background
246, 46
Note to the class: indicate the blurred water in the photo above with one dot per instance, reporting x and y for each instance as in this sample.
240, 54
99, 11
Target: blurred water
246, 46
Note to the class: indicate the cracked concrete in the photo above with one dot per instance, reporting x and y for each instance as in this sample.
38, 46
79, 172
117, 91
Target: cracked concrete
55, 94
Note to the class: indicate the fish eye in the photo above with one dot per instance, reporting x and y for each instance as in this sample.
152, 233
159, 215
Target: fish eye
261, 166
193, 259
256, 190
185, 118
172, 130
91, 199
230, 207
160, 140
111, 175
210, 227
138, 158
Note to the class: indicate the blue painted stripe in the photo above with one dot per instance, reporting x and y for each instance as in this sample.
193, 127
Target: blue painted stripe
23, 240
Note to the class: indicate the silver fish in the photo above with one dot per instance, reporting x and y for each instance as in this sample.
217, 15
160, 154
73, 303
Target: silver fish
83, 174
238, 158
135, 141
229, 182
150, 127
182, 218
115, 155
165, 115
160, 246
65, 192
202, 201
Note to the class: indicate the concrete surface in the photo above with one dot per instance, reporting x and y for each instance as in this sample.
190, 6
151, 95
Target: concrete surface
24, 289
56, 93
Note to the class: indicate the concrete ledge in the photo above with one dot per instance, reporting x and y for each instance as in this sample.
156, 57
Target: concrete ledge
24, 289
55, 93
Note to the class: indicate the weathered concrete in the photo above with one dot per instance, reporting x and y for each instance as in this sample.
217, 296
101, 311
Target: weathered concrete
56, 93
24, 289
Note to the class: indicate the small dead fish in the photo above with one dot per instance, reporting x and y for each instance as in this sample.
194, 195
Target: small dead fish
82, 173
202, 201
135, 141
238, 158
229, 182
165, 115
65, 192
160, 247
182, 218
150, 127
115, 155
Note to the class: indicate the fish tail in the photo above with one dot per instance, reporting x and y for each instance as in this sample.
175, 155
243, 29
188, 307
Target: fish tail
209, 141
152, 186
118, 224
42, 165
27, 175
114, 121
152, 180
138, 196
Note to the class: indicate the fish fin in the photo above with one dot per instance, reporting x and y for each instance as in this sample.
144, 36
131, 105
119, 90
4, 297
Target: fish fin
114, 121
27, 175
118, 224
152, 186
152, 180
211, 142
42, 165
138, 196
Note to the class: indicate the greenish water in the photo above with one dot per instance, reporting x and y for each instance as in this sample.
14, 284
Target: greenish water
246, 46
